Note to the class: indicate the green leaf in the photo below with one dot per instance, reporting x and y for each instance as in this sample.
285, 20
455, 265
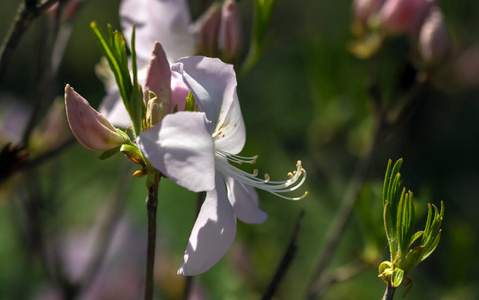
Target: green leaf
137, 109
386, 182
397, 277
109, 153
389, 228
430, 248
412, 259
133, 55
415, 237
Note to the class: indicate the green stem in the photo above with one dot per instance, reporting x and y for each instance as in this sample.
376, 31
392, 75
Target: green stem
151, 206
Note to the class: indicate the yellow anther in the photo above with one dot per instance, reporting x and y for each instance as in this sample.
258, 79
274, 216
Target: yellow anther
139, 173
290, 175
266, 177
255, 172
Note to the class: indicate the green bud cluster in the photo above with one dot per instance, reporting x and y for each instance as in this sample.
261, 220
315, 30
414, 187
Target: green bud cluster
399, 216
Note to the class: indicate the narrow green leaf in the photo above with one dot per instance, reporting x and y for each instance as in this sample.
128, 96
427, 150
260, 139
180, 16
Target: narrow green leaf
137, 107
390, 232
386, 182
415, 237
110, 57
412, 259
109, 153
133, 55
430, 248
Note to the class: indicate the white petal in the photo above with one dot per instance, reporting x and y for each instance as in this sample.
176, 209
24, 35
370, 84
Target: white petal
213, 233
181, 148
165, 21
244, 200
213, 84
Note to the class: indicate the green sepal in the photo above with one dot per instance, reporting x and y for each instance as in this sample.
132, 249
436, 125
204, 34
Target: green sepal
109, 153
133, 153
397, 277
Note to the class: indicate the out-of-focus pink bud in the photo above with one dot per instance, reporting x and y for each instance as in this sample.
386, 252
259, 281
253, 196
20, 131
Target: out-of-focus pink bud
158, 81
364, 9
89, 127
206, 31
400, 16
433, 39
69, 9
230, 36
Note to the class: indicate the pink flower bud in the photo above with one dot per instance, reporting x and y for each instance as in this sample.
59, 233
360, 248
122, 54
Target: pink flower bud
433, 40
158, 81
89, 127
400, 16
230, 36
206, 31
364, 9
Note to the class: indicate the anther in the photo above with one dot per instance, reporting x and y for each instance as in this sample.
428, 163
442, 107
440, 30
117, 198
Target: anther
266, 177
290, 175
255, 172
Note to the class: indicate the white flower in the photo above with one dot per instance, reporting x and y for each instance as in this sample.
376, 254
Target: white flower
195, 150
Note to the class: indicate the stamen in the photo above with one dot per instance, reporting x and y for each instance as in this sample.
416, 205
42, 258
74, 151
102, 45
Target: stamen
266, 177
295, 178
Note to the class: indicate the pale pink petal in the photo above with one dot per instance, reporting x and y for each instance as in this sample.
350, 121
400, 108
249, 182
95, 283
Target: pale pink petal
179, 92
165, 21
89, 127
181, 148
244, 200
213, 84
213, 233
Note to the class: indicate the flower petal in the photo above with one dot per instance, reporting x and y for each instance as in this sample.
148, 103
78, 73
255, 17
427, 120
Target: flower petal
181, 148
213, 84
213, 233
165, 21
244, 200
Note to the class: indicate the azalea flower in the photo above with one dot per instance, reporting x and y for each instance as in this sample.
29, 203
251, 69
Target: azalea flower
169, 23
197, 150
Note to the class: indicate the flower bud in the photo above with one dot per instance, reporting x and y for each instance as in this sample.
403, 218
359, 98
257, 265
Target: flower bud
364, 9
89, 127
206, 31
158, 81
230, 36
433, 40
399, 16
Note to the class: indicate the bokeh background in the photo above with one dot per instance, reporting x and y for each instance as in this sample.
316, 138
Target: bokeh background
306, 99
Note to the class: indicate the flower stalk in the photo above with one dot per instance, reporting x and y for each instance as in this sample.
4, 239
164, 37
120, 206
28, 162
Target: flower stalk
153, 183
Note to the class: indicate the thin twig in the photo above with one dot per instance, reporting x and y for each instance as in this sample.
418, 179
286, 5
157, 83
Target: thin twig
288, 258
38, 160
25, 15
151, 206
389, 293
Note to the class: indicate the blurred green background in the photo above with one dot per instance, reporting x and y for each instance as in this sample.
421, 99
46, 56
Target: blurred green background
306, 99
